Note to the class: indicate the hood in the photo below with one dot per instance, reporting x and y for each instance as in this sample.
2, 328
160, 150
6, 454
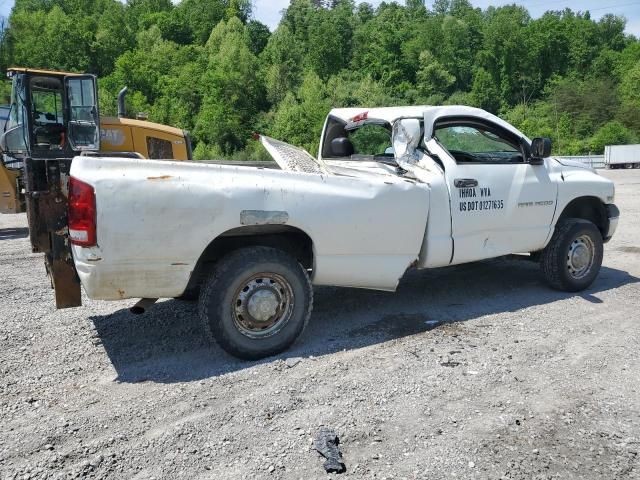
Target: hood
292, 158
295, 159
573, 163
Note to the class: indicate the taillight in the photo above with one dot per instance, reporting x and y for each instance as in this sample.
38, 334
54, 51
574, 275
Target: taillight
82, 213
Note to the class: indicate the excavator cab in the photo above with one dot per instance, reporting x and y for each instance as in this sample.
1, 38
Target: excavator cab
53, 117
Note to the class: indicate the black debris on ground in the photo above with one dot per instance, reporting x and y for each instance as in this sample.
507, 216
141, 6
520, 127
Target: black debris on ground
326, 444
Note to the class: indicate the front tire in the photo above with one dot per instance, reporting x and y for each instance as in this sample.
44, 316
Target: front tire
256, 302
572, 259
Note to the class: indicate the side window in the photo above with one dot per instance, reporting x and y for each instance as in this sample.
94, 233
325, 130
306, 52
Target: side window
84, 124
159, 149
370, 140
363, 141
15, 129
477, 144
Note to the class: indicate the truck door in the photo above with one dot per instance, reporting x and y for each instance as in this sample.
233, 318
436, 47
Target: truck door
500, 204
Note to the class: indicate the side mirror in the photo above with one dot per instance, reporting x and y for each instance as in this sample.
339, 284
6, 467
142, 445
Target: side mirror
341, 147
540, 149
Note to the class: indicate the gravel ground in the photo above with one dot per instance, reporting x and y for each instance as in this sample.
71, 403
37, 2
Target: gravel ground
477, 371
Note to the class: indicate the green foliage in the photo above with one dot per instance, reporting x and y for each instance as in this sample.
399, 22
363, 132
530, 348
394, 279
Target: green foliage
484, 92
611, 133
299, 118
232, 90
207, 66
282, 64
432, 78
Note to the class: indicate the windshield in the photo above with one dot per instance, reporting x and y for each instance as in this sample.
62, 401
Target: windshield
47, 106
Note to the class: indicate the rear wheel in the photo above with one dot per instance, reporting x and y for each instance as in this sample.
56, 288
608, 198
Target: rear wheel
256, 302
572, 260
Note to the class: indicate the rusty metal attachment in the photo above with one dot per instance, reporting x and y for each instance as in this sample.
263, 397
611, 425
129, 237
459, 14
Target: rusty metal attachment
46, 197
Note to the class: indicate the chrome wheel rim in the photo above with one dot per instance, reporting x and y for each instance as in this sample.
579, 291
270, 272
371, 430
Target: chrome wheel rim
262, 305
580, 256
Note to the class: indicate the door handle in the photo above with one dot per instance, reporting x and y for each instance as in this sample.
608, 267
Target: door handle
465, 182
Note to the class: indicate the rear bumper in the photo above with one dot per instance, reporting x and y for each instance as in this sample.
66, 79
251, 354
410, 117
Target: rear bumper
613, 214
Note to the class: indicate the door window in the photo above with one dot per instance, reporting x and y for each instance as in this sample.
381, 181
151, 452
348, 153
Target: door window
478, 144
83, 110
15, 138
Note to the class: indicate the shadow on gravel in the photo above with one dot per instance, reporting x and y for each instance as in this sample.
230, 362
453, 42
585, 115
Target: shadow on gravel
166, 344
13, 233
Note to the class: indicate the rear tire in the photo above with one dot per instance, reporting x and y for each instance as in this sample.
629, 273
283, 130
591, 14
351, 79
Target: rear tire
256, 302
572, 259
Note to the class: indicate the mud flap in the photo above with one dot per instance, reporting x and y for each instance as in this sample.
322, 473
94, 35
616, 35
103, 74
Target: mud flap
46, 200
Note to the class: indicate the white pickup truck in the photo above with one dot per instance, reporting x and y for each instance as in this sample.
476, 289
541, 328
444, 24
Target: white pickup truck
391, 189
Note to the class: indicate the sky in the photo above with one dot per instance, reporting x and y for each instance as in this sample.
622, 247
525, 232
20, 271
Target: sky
269, 11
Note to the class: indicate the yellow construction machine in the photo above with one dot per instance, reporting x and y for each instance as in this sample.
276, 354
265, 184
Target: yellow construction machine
55, 115
52, 118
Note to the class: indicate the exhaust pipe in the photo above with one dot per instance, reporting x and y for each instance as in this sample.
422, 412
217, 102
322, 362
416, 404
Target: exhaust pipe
142, 305
121, 108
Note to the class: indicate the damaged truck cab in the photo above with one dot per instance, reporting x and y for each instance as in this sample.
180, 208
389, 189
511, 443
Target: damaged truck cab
391, 189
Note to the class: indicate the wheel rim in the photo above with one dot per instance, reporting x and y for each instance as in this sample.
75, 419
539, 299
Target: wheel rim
262, 305
580, 256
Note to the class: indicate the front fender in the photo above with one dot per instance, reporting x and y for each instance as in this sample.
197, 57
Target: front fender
576, 183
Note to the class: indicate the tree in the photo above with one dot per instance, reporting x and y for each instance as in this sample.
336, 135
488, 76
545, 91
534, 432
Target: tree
282, 64
485, 92
432, 77
258, 36
233, 90
299, 118
629, 87
611, 133
378, 45
441, 7
207, 66
202, 16
329, 57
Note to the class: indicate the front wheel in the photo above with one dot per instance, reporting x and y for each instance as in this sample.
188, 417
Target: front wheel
256, 302
572, 259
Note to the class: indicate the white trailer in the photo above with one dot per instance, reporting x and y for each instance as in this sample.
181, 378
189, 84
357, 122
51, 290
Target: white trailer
622, 156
